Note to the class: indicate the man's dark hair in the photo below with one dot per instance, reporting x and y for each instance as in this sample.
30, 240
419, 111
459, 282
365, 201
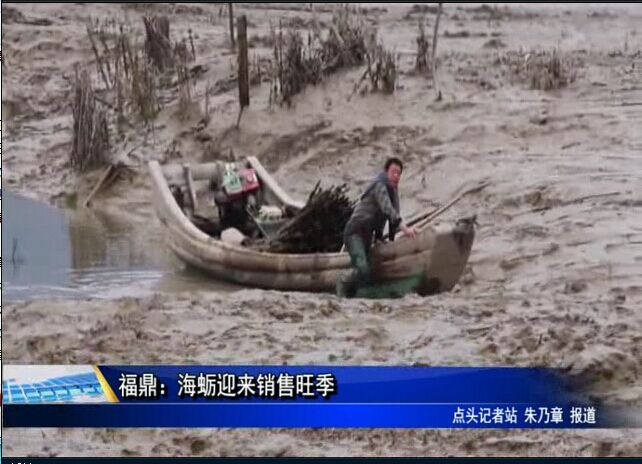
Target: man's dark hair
391, 161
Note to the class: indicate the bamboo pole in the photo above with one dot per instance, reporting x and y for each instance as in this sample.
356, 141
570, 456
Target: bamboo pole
106, 173
243, 71
230, 12
189, 182
433, 57
419, 218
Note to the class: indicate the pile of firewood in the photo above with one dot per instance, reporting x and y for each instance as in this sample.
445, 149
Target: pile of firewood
318, 227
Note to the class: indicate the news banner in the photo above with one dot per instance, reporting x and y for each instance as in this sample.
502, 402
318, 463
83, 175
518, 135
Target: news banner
302, 396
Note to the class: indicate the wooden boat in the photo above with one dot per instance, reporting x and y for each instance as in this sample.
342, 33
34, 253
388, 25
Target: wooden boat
433, 261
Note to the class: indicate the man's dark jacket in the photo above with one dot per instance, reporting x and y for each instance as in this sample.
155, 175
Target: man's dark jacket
380, 202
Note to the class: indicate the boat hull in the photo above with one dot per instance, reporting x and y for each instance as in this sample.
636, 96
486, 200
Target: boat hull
438, 254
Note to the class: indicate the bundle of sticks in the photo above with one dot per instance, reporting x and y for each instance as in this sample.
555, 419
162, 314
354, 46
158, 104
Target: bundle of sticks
296, 65
158, 46
90, 143
318, 227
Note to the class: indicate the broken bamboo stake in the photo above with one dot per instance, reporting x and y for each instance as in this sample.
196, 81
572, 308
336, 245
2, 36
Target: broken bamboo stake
358, 84
433, 64
99, 60
189, 181
243, 72
106, 173
238, 118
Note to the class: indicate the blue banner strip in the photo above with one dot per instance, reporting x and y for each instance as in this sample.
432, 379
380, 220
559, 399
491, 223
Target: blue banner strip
328, 414
362, 384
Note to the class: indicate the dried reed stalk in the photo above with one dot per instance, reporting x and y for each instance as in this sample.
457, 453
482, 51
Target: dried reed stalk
90, 143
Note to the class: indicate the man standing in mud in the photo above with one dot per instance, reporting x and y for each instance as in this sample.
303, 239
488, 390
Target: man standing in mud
378, 204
